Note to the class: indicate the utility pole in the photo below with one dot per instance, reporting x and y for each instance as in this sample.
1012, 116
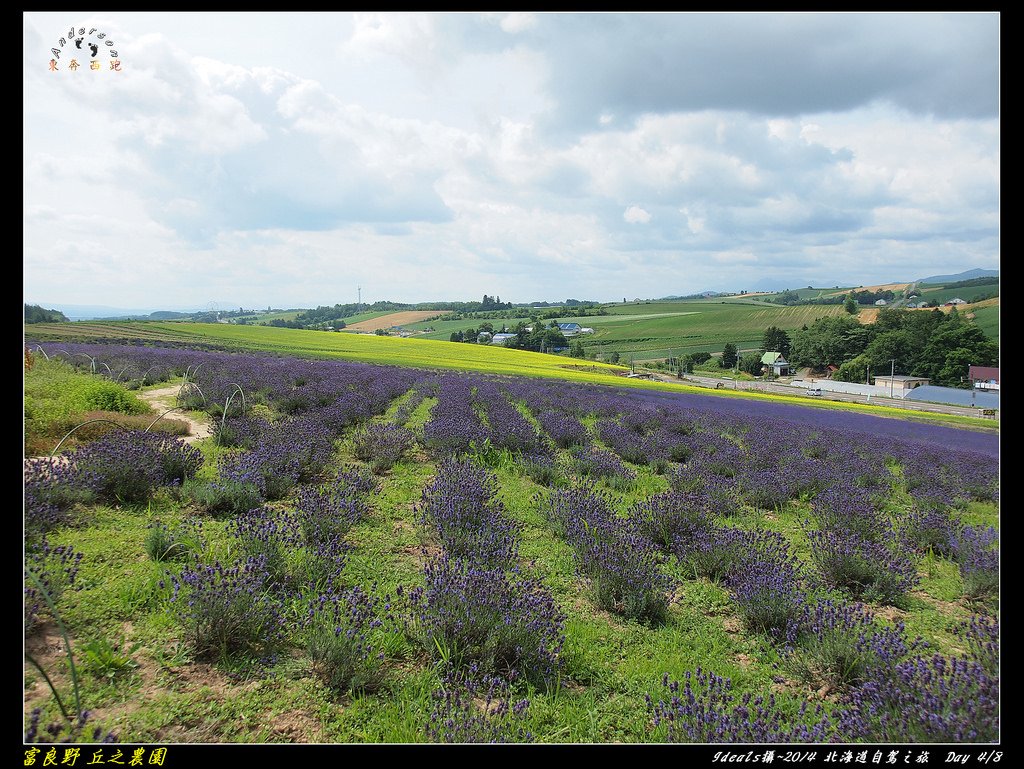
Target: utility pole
867, 377
359, 308
892, 376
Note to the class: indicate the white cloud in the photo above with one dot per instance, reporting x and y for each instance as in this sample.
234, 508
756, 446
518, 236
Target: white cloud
636, 215
514, 23
444, 158
734, 257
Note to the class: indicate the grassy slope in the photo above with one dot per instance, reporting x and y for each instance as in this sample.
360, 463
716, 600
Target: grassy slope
663, 329
650, 330
987, 319
968, 294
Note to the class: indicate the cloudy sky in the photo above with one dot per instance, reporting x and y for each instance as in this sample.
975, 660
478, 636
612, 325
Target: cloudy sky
285, 159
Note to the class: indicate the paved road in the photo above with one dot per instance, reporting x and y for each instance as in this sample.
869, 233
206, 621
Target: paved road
784, 389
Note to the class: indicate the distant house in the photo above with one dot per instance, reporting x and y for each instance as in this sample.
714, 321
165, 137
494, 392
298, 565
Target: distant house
984, 377
774, 363
955, 301
570, 329
501, 337
900, 384
881, 303
586, 330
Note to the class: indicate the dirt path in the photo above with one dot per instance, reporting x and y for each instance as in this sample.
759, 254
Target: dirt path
164, 398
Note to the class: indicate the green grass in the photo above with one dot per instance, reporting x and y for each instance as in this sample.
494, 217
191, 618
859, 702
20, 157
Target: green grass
654, 330
57, 397
968, 293
987, 319
670, 329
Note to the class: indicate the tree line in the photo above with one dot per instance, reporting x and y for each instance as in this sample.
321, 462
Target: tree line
940, 346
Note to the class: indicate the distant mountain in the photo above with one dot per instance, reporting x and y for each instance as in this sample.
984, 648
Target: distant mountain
698, 295
97, 311
975, 273
93, 311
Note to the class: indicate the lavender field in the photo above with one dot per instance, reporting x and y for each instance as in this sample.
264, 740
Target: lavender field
366, 553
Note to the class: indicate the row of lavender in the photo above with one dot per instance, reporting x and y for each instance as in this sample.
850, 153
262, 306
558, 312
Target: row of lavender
484, 622
860, 548
715, 464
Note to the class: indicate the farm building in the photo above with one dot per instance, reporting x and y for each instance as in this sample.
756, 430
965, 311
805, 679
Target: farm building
955, 396
500, 338
881, 303
900, 384
955, 301
984, 377
774, 363
570, 329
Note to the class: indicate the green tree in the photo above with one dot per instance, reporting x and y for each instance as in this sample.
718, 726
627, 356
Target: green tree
952, 349
776, 340
729, 355
36, 314
850, 305
614, 357
853, 370
751, 363
886, 347
830, 341
576, 350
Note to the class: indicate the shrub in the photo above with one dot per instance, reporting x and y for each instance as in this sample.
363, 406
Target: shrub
55, 568
462, 506
865, 569
931, 530
227, 610
841, 645
479, 619
382, 444
924, 699
267, 536
52, 485
329, 510
982, 636
469, 712
768, 596
672, 518
126, 466
706, 710
337, 637
541, 469
223, 498
976, 550
622, 564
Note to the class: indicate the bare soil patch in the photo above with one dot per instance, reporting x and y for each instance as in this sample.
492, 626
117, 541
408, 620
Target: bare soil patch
164, 398
393, 319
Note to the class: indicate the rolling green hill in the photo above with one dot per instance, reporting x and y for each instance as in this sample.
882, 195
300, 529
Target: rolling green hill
967, 293
655, 330
987, 319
